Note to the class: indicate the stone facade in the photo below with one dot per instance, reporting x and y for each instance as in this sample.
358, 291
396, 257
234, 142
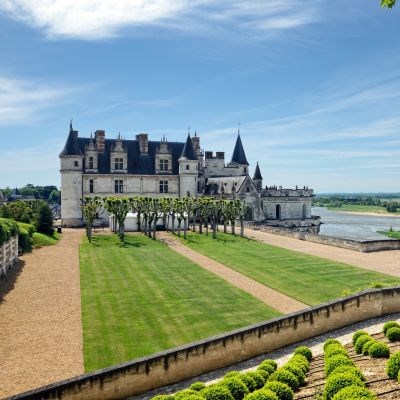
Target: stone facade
120, 167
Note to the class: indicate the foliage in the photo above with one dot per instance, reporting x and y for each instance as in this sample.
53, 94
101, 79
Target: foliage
339, 381
90, 207
258, 378
367, 345
249, 381
119, 208
388, 325
216, 392
297, 371
231, 374
271, 363
388, 3
336, 361
357, 334
44, 220
163, 397
285, 376
197, 386
329, 342
334, 350
282, 390
24, 240
379, 350
41, 240
354, 392
358, 346
393, 334
8, 229
236, 387
305, 351
185, 394
350, 369
393, 365
263, 394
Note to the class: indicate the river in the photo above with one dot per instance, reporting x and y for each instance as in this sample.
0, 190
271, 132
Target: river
354, 226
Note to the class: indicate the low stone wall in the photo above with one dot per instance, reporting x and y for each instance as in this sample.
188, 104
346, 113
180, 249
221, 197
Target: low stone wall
366, 246
184, 362
8, 255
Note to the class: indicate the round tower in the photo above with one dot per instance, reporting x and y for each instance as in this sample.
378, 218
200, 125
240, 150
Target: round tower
188, 170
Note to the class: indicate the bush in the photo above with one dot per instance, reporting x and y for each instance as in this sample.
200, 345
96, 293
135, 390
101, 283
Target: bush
334, 350
283, 391
263, 394
350, 369
185, 394
393, 365
216, 392
300, 360
365, 349
354, 392
197, 386
336, 361
357, 334
258, 378
339, 381
231, 374
44, 220
297, 371
8, 229
24, 240
236, 387
360, 343
390, 324
163, 397
248, 381
272, 363
305, 351
393, 334
29, 227
263, 373
329, 342
379, 350
285, 376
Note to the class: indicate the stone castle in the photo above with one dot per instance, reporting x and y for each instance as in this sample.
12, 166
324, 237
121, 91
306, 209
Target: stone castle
130, 167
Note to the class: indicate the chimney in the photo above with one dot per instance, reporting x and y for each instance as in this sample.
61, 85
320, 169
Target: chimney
220, 155
100, 137
196, 143
143, 139
209, 155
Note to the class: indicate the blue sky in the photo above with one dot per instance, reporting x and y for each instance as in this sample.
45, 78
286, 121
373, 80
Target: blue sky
315, 84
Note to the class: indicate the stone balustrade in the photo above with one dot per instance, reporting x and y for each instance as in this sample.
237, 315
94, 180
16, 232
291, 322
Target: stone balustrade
8, 255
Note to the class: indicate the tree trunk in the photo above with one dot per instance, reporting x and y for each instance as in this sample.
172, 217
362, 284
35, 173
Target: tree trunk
185, 223
179, 228
225, 226
214, 226
241, 227
121, 231
139, 228
155, 229
207, 227
173, 225
201, 225
194, 223
233, 228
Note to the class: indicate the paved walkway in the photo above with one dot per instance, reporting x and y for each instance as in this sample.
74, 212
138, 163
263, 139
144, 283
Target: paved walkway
387, 262
40, 314
271, 297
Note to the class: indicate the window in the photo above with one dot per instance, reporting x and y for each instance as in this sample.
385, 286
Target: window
119, 186
163, 186
245, 170
163, 165
91, 186
248, 189
118, 163
187, 167
76, 163
90, 162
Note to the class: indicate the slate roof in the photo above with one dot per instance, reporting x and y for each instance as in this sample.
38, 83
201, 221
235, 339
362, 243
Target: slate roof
72, 147
257, 173
188, 151
230, 184
239, 157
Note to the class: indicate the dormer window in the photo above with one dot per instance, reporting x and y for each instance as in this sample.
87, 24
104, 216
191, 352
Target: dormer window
118, 163
164, 165
187, 167
91, 161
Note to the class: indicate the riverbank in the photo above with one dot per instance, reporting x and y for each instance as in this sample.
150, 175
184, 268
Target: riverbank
370, 213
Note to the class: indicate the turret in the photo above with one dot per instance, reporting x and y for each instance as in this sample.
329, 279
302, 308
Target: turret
71, 160
257, 178
239, 157
188, 170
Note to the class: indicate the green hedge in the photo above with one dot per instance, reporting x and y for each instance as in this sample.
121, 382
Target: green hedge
8, 229
393, 334
393, 365
390, 324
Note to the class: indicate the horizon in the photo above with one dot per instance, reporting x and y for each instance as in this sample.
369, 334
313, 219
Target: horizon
313, 86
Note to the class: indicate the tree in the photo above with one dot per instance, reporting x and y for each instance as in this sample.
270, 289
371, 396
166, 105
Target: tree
44, 221
388, 3
119, 208
90, 207
241, 210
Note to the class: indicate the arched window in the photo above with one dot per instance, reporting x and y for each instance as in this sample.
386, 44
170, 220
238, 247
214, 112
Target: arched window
278, 211
304, 214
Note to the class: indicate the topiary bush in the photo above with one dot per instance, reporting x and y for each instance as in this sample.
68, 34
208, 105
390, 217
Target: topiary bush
216, 392
283, 391
305, 351
393, 365
285, 376
296, 371
350, 369
197, 386
272, 363
231, 374
336, 361
248, 381
329, 342
300, 360
393, 334
379, 350
339, 381
333, 350
388, 325
263, 373
267, 368
236, 387
360, 343
163, 397
357, 334
258, 378
365, 349
354, 392
184, 394
44, 220
263, 394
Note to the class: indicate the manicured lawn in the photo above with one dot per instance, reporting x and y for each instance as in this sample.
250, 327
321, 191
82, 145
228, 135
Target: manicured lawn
143, 297
40, 239
309, 279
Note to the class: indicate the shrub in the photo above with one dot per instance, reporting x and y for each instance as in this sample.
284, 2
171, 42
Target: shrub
267, 368
354, 392
197, 386
357, 334
258, 378
8, 229
379, 350
390, 324
216, 392
300, 360
184, 394
44, 220
285, 376
248, 381
236, 387
296, 370
29, 227
393, 365
24, 240
283, 391
365, 349
339, 381
263, 394
263, 373
273, 364
231, 374
163, 397
329, 342
393, 334
305, 351
360, 343
334, 350
336, 361
350, 369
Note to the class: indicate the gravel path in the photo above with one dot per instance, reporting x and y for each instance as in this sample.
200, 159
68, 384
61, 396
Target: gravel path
271, 297
387, 262
40, 314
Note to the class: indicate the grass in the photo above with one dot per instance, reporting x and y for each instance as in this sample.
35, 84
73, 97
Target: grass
391, 234
306, 278
40, 239
360, 208
142, 297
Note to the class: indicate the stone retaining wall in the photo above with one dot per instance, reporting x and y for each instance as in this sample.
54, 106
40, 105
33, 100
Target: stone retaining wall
366, 246
141, 375
8, 254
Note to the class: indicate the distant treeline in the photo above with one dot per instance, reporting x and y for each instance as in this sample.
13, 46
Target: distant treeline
31, 192
391, 202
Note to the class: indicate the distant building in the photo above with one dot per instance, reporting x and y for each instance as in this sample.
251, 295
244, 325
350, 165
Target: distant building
120, 167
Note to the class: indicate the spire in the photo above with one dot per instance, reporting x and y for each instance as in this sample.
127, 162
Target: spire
70, 125
239, 157
71, 147
188, 151
257, 173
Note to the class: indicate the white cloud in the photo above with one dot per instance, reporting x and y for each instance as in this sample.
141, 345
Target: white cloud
99, 19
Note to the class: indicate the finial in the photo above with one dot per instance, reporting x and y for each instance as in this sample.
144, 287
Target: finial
189, 130
238, 128
195, 133
70, 125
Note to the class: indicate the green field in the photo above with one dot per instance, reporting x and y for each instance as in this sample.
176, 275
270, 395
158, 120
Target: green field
360, 208
143, 297
309, 279
40, 239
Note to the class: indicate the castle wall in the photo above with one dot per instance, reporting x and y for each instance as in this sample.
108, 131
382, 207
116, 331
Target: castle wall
291, 207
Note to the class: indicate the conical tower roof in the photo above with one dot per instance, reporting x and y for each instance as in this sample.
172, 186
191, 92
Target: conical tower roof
257, 173
71, 147
239, 157
188, 151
